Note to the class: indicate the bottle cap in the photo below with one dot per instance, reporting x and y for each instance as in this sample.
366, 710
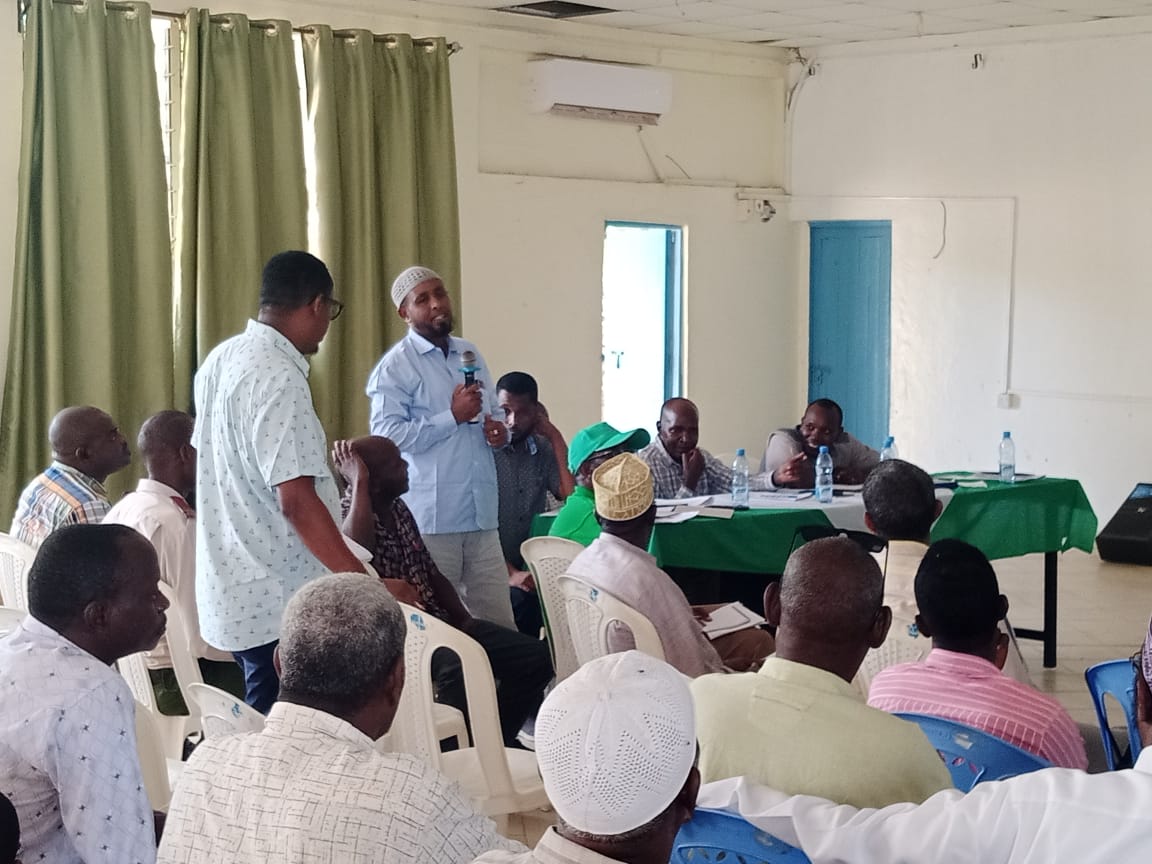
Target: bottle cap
1007, 434
823, 448
740, 451
889, 441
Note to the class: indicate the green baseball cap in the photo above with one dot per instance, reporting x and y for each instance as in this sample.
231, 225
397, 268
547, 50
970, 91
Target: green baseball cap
601, 436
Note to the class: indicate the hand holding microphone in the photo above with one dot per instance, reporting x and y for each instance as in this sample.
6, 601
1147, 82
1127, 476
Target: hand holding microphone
467, 398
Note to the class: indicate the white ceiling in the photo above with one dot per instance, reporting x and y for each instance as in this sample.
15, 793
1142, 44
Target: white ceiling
806, 23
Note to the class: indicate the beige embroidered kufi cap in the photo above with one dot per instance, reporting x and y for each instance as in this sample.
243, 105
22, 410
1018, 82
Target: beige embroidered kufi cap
623, 488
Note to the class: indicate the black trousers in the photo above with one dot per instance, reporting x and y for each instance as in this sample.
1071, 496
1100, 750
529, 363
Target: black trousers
520, 664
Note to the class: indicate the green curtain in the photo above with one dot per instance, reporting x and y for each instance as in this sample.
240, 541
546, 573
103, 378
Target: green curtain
92, 301
381, 111
241, 195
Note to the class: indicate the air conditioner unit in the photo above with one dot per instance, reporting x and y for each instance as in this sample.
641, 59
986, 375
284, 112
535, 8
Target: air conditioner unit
600, 91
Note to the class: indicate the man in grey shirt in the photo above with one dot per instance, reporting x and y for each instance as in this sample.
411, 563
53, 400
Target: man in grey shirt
790, 457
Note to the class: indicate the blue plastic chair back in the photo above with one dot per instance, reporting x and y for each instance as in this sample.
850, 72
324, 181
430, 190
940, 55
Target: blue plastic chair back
972, 755
716, 836
1118, 678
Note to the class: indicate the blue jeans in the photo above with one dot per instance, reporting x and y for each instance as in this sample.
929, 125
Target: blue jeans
261, 683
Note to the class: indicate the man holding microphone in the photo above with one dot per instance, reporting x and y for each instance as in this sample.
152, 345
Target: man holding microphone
428, 396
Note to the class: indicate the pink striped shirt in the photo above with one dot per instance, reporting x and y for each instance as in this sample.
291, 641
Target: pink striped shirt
972, 691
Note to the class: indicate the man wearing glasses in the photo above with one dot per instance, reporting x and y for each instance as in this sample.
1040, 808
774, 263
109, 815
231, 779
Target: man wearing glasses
266, 500
428, 395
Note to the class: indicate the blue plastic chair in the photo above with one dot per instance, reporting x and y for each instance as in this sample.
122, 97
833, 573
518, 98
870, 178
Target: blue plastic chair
972, 755
714, 835
1118, 678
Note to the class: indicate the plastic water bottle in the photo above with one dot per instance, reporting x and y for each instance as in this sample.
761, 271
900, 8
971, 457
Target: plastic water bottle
889, 451
740, 481
1007, 459
824, 476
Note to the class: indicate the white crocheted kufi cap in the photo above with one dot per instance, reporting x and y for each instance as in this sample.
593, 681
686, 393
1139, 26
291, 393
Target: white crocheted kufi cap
615, 742
408, 280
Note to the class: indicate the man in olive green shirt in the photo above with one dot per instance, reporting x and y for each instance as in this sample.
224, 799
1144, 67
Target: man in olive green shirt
590, 448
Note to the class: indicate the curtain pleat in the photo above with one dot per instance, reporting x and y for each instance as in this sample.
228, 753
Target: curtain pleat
385, 181
92, 300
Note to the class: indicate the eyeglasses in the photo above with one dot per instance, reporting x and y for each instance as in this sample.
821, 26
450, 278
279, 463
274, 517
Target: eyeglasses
335, 307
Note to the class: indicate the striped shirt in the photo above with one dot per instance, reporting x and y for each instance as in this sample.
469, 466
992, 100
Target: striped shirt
972, 691
61, 495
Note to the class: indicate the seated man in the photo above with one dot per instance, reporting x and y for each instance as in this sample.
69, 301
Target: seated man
1035, 818
87, 446
590, 448
619, 718
377, 519
68, 758
159, 510
531, 465
798, 725
617, 563
790, 457
311, 786
900, 506
680, 469
960, 604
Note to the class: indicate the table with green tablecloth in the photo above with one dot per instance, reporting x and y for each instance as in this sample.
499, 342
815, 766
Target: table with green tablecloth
1045, 515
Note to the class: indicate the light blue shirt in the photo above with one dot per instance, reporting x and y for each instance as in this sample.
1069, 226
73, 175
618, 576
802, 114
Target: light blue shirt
452, 475
256, 428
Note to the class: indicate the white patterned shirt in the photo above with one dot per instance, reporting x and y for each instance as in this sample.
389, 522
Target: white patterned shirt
256, 428
311, 789
552, 849
68, 758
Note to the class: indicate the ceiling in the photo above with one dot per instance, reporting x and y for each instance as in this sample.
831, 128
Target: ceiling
808, 23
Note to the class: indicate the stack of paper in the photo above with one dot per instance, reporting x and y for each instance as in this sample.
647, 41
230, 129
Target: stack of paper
730, 618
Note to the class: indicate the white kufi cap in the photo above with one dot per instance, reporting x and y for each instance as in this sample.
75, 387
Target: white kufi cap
615, 742
408, 280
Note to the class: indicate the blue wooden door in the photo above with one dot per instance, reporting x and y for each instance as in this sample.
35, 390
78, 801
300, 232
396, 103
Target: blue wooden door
849, 322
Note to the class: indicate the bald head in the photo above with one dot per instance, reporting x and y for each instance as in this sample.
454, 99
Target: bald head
828, 606
88, 440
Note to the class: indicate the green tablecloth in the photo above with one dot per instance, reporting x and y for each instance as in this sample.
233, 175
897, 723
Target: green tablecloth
1004, 520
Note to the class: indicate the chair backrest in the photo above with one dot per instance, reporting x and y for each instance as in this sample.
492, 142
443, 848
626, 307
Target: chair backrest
135, 672
1118, 678
414, 728
9, 618
592, 613
153, 765
16, 558
972, 755
896, 649
222, 713
547, 559
184, 664
714, 835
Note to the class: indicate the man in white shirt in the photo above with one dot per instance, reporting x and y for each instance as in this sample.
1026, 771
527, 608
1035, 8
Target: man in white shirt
1053, 815
159, 510
447, 430
616, 745
68, 759
267, 500
312, 786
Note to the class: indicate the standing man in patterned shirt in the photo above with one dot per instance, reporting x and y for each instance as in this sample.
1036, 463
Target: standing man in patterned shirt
68, 758
428, 396
87, 446
267, 502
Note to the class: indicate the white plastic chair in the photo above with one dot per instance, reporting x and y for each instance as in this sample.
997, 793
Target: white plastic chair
896, 649
547, 559
158, 772
16, 558
591, 614
171, 728
222, 713
184, 664
9, 618
500, 780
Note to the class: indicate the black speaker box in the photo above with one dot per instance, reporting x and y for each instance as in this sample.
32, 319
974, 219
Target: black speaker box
1127, 538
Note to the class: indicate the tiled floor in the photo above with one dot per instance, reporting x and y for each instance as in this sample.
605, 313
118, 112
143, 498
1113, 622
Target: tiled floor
1102, 614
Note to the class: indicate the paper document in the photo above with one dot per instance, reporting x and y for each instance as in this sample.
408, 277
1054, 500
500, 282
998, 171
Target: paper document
729, 619
698, 501
673, 518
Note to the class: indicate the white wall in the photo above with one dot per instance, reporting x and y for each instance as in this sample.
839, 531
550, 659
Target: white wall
535, 191
1041, 158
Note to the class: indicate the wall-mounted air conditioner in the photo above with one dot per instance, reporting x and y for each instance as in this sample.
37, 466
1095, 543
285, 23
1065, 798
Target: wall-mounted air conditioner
601, 91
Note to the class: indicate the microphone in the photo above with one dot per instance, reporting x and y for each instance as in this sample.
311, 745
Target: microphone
469, 368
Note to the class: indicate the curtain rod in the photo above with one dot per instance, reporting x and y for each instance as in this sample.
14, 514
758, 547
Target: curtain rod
22, 11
